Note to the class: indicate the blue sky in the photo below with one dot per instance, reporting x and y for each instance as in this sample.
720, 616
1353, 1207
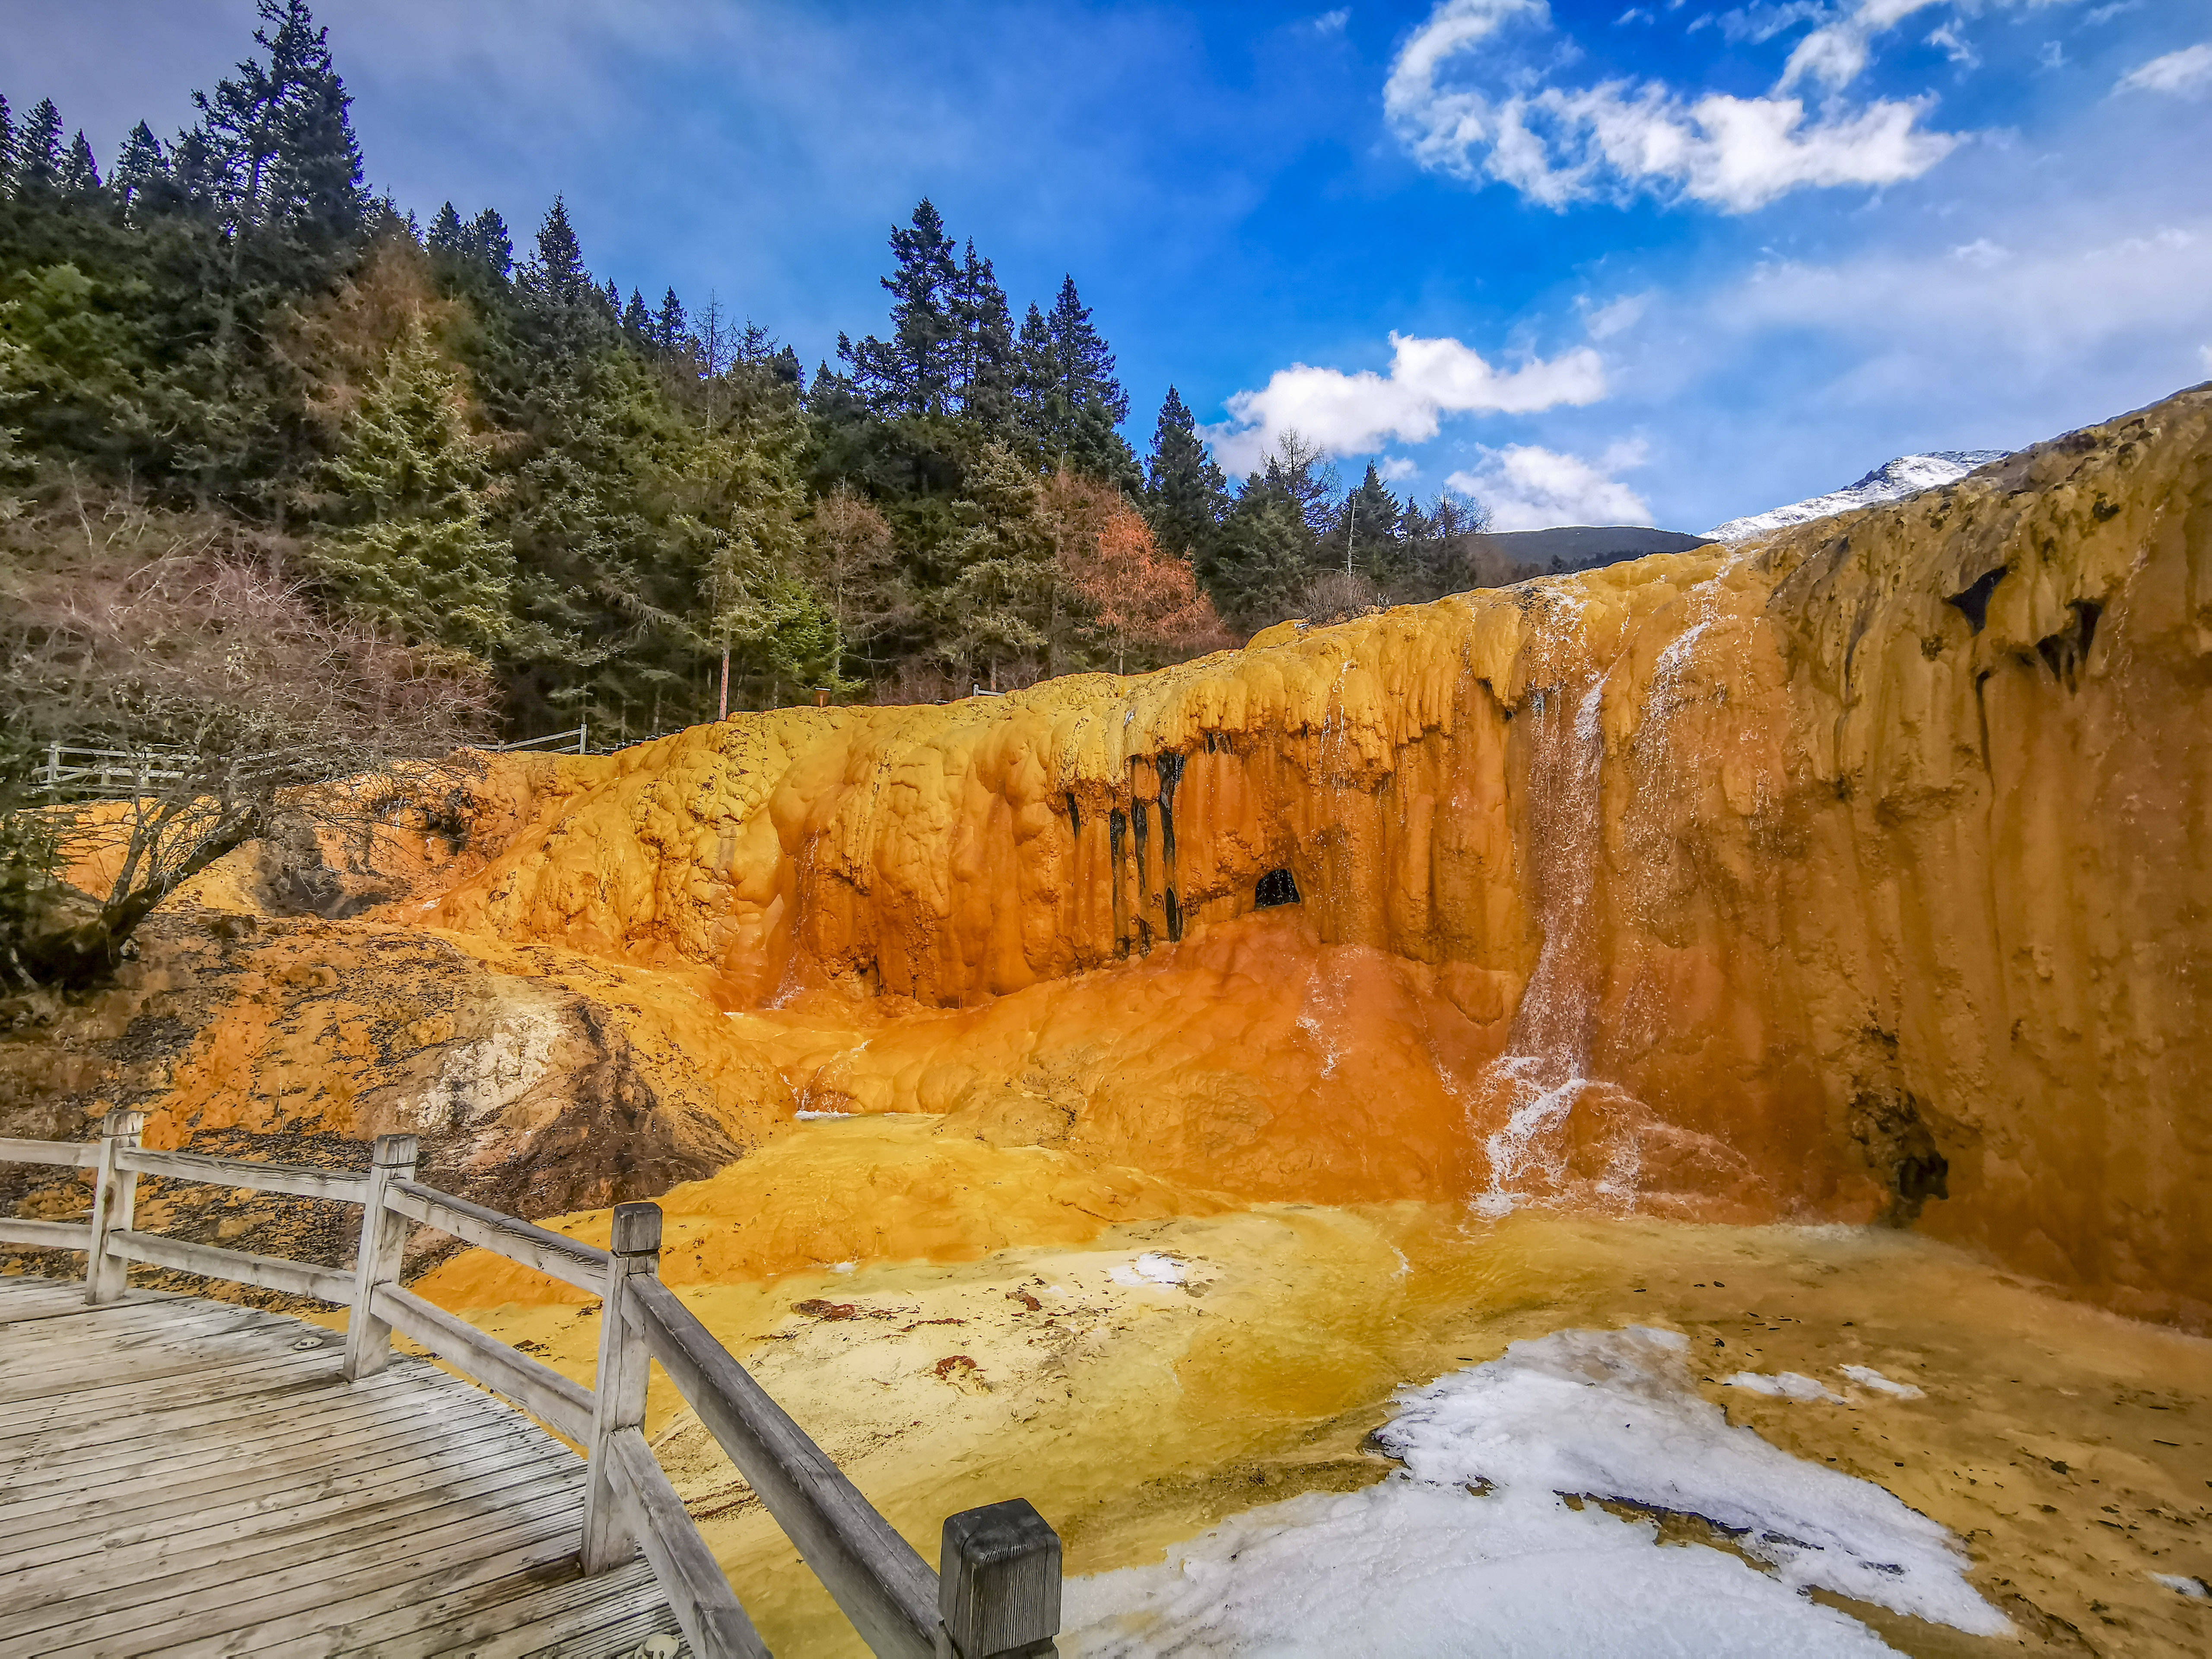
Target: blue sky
1672, 261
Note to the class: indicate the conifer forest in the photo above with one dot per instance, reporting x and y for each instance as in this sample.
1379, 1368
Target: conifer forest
568, 504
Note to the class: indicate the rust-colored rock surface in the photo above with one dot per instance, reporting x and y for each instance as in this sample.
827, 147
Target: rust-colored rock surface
1859, 874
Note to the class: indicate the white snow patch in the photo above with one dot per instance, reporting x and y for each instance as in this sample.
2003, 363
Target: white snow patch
2192, 1588
820, 1117
1419, 1565
429, 904
1150, 1268
1783, 1385
1893, 481
843, 1267
1867, 1378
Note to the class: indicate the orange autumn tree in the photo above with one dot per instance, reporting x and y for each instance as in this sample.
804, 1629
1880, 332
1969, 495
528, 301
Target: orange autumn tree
1144, 601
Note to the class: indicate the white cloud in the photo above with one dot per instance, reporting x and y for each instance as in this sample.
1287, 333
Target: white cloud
1558, 145
1836, 54
1529, 488
1397, 469
2003, 315
1954, 46
1333, 22
1615, 316
2186, 72
1357, 414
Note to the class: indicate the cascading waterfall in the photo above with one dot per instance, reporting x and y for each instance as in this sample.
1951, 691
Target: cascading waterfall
1543, 1074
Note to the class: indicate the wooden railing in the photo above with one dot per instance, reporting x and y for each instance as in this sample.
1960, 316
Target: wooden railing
996, 1593
68, 769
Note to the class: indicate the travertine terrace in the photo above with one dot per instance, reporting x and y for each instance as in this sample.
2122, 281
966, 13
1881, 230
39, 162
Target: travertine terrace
1857, 873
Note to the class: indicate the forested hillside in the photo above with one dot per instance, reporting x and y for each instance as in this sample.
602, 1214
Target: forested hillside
592, 504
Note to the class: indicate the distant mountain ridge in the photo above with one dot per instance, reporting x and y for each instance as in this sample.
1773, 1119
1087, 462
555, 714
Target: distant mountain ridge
1500, 558
1908, 475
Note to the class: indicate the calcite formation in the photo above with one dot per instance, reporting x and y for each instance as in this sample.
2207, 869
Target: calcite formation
1857, 871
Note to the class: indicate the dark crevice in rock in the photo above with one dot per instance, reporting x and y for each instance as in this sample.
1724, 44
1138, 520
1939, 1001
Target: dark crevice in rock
1973, 603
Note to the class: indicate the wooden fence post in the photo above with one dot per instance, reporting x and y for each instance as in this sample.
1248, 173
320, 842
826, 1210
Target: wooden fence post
383, 1248
619, 1391
114, 1194
998, 1584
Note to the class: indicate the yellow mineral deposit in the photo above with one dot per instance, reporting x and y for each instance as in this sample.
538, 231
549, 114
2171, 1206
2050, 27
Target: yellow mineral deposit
1114, 1091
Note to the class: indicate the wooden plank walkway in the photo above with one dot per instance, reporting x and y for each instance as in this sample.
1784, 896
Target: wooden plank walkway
193, 1478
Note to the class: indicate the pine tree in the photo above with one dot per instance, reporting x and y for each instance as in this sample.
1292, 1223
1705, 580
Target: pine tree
280, 137
315, 186
557, 276
637, 321
1070, 401
39, 152
914, 372
1368, 538
6, 148
1081, 365
447, 236
489, 245
996, 617
670, 329
612, 295
80, 174
985, 375
418, 556
1186, 496
139, 173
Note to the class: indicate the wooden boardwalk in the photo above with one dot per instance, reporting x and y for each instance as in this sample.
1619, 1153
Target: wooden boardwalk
185, 1477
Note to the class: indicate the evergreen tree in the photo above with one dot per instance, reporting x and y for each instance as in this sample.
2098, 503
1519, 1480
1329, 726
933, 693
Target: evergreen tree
637, 321
1368, 539
39, 152
985, 376
489, 245
1265, 557
6, 148
279, 138
997, 616
139, 173
1186, 496
447, 236
612, 295
557, 275
417, 555
1070, 399
914, 372
80, 174
670, 330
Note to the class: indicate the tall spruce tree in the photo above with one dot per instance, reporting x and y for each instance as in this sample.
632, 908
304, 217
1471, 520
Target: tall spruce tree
670, 330
6, 148
279, 138
416, 554
39, 152
139, 171
80, 174
489, 244
985, 377
1070, 399
1186, 496
447, 236
914, 372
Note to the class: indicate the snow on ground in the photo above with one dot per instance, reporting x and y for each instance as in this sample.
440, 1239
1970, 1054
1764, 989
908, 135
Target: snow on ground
1783, 1385
1867, 1378
1474, 1549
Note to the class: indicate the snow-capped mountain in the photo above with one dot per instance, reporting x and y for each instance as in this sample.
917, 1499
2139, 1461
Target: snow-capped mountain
1908, 475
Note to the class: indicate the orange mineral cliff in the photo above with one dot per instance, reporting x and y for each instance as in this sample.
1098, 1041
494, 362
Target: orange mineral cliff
1858, 873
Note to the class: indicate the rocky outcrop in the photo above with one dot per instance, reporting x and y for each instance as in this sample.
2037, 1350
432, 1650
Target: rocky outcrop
1869, 854
1853, 873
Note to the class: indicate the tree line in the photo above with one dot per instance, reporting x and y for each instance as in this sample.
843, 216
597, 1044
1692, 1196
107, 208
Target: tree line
606, 506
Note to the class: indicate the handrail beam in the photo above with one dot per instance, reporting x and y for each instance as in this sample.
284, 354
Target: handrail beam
44, 1235
70, 1154
298, 1180
714, 1619
269, 1273
538, 1389
885, 1588
583, 1266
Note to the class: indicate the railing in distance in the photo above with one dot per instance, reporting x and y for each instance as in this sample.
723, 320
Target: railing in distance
996, 1594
